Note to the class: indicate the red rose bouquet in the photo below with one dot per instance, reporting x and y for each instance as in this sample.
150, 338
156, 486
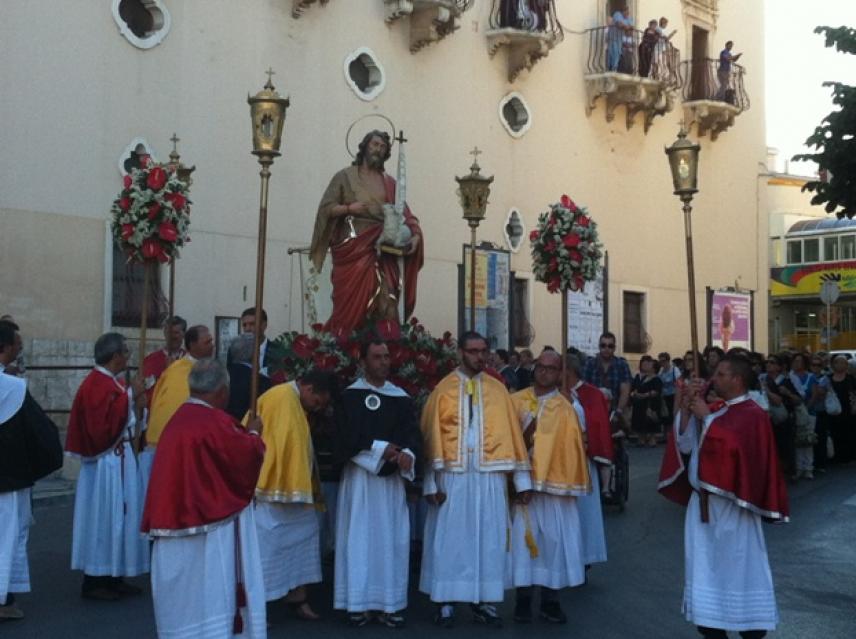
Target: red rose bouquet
566, 251
151, 215
417, 359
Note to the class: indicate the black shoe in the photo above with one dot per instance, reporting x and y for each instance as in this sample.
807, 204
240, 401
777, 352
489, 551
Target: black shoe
523, 610
358, 619
445, 616
391, 619
486, 614
551, 612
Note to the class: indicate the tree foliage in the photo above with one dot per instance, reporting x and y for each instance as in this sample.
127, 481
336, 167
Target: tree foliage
834, 140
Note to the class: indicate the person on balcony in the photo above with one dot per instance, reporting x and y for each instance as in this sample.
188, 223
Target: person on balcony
663, 62
723, 73
619, 37
650, 38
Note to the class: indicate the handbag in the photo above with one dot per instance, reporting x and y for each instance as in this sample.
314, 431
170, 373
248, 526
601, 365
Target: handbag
831, 403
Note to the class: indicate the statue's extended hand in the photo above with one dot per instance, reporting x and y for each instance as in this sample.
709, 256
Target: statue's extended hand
414, 244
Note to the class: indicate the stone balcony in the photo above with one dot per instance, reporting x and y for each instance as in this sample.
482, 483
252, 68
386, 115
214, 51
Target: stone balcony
528, 36
643, 80
299, 6
430, 20
713, 100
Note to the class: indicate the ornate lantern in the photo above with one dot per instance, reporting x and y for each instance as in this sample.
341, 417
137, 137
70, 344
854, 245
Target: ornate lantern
473, 191
267, 110
683, 160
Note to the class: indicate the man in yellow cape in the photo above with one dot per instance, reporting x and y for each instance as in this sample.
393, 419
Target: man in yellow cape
546, 538
170, 392
288, 490
473, 442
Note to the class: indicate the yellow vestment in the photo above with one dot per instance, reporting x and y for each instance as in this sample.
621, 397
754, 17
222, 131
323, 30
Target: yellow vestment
502, 447
170, 392
559, 463
288, 473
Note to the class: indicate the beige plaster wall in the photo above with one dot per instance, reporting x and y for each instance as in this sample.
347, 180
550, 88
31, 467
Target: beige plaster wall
82, 92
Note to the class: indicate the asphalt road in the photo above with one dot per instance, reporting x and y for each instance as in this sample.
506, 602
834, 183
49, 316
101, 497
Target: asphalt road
637, 594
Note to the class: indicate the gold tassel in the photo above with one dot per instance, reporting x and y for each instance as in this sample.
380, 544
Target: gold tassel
529, 537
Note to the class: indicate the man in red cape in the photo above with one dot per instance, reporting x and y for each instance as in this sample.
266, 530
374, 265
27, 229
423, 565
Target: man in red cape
593, 408
156, 363
349, 222
206, 569
733, 459
106, 540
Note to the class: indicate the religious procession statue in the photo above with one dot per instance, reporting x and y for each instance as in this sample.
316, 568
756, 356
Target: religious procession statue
372, 236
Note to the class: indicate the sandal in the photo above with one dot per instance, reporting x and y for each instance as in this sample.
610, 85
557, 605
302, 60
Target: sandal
302, 610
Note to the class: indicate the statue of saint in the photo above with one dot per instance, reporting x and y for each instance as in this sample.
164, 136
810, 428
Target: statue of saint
353, 219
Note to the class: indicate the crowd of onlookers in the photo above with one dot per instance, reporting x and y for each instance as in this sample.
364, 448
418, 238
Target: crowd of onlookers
811, 397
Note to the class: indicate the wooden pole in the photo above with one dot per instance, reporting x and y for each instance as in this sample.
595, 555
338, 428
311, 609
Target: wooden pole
473, 279
564, 339
260, 281
703, 497
172, 288
144, 316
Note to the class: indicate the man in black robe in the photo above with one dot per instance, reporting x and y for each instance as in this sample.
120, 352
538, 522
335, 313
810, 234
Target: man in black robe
240, 369
29, 450
380, 440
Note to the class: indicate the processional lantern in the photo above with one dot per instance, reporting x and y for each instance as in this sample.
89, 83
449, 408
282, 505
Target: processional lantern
183, 173
267, 112
473, 191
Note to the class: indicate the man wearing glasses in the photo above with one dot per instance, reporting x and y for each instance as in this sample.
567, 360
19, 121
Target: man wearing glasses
612, 373
473, 442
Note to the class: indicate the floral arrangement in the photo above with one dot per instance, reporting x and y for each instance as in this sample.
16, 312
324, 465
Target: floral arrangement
566, 251
418, 360
151, 215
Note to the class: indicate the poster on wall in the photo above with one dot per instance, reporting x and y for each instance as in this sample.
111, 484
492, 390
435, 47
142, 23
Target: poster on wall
493, 281
730, 317
586, 316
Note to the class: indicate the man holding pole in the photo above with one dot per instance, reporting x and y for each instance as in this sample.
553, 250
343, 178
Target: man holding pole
546, 540
732, 458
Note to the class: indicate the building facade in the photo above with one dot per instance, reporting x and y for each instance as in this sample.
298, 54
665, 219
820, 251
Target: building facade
87, 88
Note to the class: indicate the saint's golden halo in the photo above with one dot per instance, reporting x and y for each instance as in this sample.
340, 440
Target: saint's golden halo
348, 140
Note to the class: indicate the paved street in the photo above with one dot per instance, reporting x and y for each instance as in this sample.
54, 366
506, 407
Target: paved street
636, 594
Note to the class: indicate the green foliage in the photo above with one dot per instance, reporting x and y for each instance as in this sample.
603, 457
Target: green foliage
834, 140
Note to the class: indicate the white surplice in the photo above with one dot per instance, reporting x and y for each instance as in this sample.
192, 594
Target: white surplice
194, 584
728, 583
108, 507
554, 522
15, 517
372, 536
465, 553
590, 509
289, 544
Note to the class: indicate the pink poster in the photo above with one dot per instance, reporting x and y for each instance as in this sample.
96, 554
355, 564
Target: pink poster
731, 320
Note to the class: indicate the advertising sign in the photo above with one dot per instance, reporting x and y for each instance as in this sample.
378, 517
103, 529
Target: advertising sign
731, 319
807, 279
585, 316
493, 280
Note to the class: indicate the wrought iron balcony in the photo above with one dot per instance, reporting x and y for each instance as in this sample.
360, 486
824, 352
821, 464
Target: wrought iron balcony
626, 68
430, 20
529, 28
713, 97
299, 6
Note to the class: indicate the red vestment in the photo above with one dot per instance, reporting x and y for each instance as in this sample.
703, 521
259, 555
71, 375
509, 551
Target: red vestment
99, 413
205, 470
598, 430
357, 270
737, 460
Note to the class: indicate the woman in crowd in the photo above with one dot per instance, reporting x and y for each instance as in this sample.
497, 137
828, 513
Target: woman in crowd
669, 376
645, 394
805, 384
783, 399
842, 427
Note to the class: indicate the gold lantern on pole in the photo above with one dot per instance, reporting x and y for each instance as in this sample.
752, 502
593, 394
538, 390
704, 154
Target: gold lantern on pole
267, 112
183, 173
473, 191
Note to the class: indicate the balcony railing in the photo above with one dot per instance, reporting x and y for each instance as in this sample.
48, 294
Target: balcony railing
629, 52
713, 97
643, 73
708, 82
533, 16
529, 28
